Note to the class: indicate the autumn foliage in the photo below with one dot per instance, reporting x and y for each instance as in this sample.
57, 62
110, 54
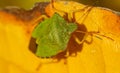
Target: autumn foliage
99, 53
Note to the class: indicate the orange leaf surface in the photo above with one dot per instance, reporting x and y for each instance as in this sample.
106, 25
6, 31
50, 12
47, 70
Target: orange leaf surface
15, 36
98, 54
101, 55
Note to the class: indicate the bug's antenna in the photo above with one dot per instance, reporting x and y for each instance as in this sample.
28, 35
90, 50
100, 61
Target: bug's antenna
85, 14
89, 33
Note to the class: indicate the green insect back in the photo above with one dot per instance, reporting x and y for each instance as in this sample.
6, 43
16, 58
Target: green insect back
52, 35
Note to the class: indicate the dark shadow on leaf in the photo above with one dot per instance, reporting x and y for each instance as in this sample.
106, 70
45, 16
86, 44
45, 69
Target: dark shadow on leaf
32, 45
73, 47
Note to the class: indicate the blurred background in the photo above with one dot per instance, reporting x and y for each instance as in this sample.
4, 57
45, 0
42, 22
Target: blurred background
27, 4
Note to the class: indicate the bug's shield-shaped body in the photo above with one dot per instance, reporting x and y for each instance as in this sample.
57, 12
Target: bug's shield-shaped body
52, 35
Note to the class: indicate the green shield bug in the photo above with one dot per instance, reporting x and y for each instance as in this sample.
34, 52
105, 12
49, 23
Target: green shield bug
55, 33
52, 35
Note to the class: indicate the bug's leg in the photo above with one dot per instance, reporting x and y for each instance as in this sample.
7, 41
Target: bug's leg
65, 14
52, 4
67, 53
84, 38
38, 67
39, 19
70, 16
46, 61
86, 10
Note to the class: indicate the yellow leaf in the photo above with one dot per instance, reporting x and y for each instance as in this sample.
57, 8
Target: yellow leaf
97, 54
14, 42
101, 55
